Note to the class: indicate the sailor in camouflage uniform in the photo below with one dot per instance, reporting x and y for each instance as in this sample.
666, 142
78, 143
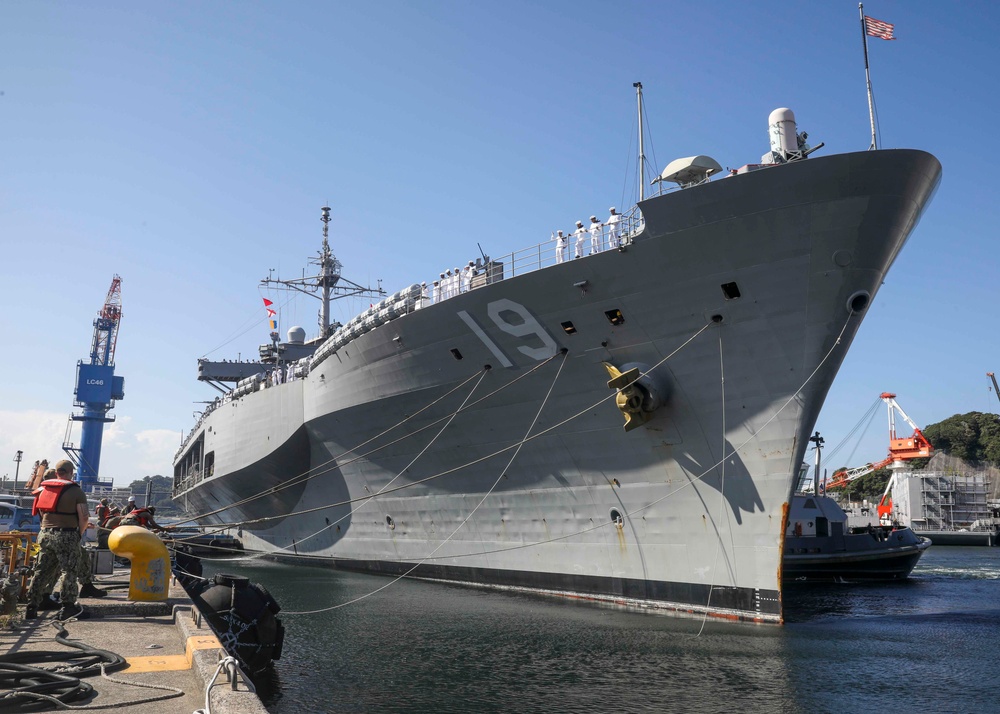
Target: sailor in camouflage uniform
63, 507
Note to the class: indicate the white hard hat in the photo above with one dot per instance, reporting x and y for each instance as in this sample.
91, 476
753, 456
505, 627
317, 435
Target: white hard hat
131, 498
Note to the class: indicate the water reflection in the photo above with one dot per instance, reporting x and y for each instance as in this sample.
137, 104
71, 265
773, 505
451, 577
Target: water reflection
432, 647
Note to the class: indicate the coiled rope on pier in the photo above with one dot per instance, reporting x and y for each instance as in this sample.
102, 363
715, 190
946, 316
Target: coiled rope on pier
59, 685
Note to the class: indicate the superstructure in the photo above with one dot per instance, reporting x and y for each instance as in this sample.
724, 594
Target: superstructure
626, 428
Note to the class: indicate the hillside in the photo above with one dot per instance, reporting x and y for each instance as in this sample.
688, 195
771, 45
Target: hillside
966, 443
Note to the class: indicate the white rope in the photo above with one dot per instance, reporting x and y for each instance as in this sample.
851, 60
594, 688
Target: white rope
174, 692
669, 494
487, 457
722, 495
461, 525
230, 663
286, 554
333, 460
380, 491
432, 556
315, 471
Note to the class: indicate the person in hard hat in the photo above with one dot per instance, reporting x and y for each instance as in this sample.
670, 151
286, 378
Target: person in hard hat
580, 234
129, 507
595, 228
614, 228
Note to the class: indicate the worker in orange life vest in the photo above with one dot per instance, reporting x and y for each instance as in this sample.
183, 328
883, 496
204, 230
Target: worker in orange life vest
144, 517
63, 507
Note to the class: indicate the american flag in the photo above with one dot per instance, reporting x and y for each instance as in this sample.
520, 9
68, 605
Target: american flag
877, 28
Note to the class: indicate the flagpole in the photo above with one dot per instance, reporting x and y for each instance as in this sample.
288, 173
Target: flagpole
868, 77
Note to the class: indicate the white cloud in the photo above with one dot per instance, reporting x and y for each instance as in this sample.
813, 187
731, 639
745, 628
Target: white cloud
158, 447
125, 456
38, 434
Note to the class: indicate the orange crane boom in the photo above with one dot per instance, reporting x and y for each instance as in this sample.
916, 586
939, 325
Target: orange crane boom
913, 447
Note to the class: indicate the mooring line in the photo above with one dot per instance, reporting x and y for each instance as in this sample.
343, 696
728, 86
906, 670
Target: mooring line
461, 525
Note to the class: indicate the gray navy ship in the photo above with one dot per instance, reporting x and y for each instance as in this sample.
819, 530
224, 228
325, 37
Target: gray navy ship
624, 428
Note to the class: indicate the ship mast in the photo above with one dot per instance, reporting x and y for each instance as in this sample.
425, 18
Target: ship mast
329, 273
642, 154
328, 284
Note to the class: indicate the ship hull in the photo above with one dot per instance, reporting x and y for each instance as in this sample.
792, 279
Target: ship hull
476, 440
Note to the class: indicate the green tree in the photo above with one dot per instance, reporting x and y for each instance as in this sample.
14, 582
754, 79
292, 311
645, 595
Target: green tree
870, 486
972, 437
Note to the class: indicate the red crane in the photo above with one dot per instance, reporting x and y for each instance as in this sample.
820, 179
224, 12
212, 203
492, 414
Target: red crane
912, 447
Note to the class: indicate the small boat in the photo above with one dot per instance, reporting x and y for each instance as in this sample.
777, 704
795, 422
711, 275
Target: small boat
821, 547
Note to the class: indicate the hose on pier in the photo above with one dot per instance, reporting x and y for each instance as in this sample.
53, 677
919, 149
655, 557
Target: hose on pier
50, 679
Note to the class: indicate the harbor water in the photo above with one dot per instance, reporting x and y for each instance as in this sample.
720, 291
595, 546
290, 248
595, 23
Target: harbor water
924, 645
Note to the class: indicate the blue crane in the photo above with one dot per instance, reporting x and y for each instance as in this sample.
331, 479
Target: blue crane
97, 388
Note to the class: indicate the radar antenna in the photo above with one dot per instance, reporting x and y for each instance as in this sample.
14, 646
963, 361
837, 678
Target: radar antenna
328, 284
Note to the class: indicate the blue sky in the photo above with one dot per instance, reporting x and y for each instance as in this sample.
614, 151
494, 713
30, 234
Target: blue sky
188, 147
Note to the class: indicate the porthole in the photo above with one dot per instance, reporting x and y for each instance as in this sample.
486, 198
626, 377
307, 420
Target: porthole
616, 518
731, 291
391, 523
858, 301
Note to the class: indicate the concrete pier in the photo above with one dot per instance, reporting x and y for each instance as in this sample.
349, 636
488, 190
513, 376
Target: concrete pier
166, 644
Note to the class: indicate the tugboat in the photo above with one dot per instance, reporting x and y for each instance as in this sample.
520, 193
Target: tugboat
821, 547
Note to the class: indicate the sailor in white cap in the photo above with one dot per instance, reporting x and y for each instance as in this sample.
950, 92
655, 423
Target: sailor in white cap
436, 292
595, 235
560, 240
446, 285
580, 233
614, 228
467, 277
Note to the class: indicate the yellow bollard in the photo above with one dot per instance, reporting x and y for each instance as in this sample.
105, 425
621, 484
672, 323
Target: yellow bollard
150, 576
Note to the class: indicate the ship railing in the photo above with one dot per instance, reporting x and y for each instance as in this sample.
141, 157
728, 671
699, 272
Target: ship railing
509, 265
546, 254
209, 408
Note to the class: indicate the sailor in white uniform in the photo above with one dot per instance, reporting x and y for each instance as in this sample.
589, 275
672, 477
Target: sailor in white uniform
595, 235
580, 233
614, 228
561, 247
467, 277
436, 293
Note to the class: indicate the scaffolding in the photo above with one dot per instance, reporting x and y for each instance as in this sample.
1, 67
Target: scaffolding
942, 500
